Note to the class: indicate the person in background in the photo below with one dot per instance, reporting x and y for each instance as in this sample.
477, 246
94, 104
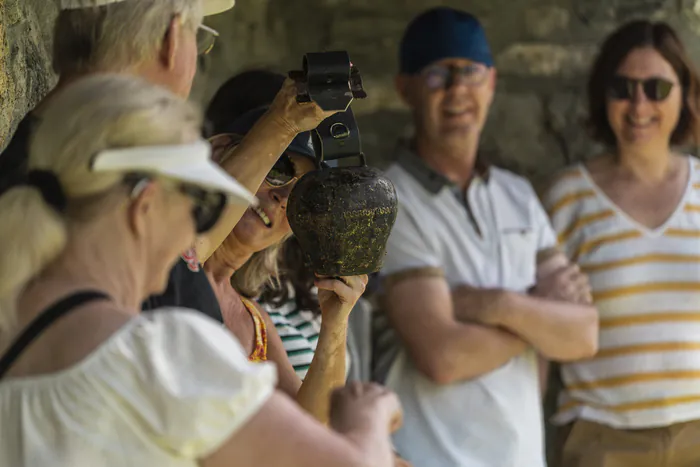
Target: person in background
119, 183
159, 41
290, 298
247, 260
630, 217
467, 315
246, 91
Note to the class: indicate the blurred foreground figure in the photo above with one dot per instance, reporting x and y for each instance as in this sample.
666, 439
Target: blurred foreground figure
119, 183
159, 41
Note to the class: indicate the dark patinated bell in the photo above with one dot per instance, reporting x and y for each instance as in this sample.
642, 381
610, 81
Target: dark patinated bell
342, 216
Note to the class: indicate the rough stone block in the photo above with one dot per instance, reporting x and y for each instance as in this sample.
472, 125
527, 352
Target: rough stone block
543, 21
545, 59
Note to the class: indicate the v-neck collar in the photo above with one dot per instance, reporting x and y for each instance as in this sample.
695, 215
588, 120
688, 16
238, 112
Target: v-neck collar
646, 231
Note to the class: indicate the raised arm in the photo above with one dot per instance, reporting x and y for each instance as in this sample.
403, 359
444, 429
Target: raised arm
421, 309
253, 158
327, 371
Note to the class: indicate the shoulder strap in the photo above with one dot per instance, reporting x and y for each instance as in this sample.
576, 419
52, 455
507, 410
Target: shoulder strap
42, 322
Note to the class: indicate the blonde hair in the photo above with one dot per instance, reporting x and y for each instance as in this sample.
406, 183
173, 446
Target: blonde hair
261, 269
93, 114
116, 36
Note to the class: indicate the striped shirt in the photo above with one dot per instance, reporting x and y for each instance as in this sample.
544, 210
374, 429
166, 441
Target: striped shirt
299, 331
646, 286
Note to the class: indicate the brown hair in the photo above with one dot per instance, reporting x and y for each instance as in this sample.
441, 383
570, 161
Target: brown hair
617, 46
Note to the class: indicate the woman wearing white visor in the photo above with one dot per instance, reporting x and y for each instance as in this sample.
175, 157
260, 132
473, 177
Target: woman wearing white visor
85, 379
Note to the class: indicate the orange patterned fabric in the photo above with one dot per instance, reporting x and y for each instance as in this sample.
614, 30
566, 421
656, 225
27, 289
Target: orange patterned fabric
259, 353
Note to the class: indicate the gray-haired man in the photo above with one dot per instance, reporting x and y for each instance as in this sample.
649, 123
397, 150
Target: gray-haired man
157, 40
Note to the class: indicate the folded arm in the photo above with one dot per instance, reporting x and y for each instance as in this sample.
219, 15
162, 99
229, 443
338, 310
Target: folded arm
558, 330
421, 310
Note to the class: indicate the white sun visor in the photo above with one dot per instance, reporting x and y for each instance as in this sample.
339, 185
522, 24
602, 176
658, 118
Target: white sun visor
210, 7
189, 163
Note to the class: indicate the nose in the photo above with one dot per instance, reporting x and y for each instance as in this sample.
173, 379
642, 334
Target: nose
281, 195
638, 96
457, 89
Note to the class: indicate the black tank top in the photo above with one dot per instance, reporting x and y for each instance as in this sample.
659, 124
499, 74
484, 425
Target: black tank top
44, 321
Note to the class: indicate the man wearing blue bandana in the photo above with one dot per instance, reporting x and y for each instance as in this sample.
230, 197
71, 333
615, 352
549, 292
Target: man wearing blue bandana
469, 309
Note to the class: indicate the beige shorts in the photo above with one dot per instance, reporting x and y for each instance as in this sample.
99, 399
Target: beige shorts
588, 444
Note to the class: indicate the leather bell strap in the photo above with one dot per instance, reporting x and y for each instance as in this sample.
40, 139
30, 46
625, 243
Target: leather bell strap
338, 137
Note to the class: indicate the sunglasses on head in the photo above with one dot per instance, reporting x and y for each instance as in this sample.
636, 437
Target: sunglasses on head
444, 76
655, 89
207, 205
206, 38
282, 173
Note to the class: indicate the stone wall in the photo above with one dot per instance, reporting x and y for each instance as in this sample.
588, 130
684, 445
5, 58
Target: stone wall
542, 47
25, 59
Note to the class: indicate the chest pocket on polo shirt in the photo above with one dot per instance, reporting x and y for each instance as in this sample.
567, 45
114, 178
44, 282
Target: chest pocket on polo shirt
518, 256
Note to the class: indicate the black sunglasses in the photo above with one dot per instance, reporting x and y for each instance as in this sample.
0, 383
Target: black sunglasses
655, 89
207, 205
282, 173
445, 76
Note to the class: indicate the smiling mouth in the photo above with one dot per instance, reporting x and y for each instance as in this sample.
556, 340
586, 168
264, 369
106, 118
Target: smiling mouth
455, 113
261, 214
640, 122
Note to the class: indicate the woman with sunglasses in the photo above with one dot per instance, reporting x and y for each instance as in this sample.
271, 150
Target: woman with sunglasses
247, 260
119, 184
631, 219
292, 299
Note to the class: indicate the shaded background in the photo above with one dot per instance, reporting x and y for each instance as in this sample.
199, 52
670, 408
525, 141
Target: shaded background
543, 49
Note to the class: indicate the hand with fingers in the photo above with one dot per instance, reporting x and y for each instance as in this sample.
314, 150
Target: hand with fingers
337, 296
296, 116
558, 279
361, 406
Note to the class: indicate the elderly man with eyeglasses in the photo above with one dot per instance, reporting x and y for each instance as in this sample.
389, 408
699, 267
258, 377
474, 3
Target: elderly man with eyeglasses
470, 312
160, 41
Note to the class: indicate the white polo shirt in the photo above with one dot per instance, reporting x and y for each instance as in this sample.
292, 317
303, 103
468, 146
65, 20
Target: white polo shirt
489, 239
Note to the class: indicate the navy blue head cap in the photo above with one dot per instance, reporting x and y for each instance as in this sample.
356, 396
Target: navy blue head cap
441, 33
302, 143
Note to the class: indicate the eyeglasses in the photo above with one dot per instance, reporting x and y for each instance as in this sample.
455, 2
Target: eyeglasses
207, 205
282, 173
655, 89
206, 38
444, 76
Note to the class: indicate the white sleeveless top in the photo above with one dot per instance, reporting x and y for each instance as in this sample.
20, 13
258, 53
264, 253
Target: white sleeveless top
167, 389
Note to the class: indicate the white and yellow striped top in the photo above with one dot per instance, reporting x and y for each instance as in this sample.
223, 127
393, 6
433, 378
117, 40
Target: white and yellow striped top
646, 286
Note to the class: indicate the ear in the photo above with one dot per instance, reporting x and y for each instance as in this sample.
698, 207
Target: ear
171, 41
140, 207
493, 79
402, 84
